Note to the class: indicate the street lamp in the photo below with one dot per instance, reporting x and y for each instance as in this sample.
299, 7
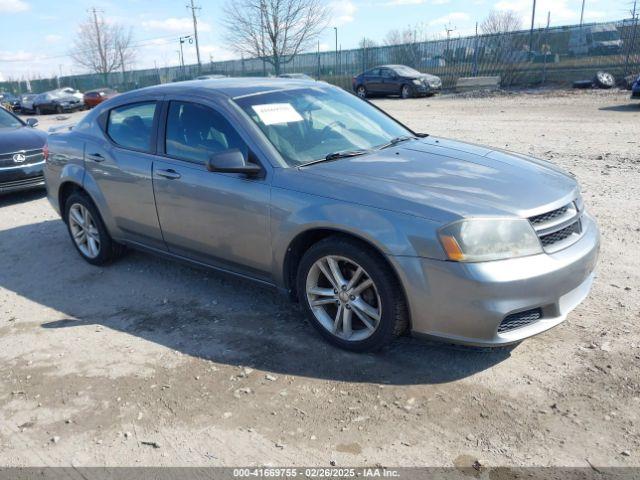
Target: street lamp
336, 29
183, 40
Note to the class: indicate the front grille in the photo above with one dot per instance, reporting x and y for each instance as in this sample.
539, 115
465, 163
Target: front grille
558, 227
518, 320
545, 217
560, 235
21, 184
31, 157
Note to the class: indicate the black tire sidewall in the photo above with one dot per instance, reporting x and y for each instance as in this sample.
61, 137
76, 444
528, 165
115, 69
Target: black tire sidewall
409, 91
106, 244
380, 275
362, 89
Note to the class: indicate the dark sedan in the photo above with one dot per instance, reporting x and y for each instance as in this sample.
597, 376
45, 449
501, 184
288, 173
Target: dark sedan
56, 101
635, 89
10, 101
396, 80
21, 153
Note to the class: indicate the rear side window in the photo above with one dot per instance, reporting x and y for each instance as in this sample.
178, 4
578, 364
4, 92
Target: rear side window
130, 126
195, 132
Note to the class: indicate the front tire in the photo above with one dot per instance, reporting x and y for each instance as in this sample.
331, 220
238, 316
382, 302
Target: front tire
38, 111
351, 295
406, 91
88, 232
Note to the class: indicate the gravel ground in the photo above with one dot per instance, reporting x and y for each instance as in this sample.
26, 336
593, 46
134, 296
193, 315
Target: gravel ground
150, 362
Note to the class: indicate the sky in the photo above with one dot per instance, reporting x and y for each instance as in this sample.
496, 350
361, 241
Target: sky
36, 35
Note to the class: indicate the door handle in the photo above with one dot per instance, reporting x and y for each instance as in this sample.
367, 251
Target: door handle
96, 157
169, 173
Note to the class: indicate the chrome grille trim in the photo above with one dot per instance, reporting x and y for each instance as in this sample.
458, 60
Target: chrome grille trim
32, 157
559, 228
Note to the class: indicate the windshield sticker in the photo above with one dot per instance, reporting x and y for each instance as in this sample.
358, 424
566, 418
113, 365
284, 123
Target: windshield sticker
273, 113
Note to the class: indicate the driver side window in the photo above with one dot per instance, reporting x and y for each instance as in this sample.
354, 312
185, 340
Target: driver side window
195, 132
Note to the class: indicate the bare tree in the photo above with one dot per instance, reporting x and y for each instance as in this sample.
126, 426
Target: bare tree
502, 21
366, 55
406, 45
274, 30
102, 47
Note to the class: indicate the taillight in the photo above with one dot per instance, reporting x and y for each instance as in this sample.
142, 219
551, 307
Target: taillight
45, 152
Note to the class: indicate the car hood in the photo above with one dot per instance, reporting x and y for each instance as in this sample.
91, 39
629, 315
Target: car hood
22, 138
442, 180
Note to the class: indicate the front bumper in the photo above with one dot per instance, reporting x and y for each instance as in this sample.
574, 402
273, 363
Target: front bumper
425, 89
466, 302
25, 177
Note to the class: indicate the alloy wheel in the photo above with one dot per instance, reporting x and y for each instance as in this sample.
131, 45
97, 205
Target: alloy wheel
406, 93
343, 298
84, 231
362, 93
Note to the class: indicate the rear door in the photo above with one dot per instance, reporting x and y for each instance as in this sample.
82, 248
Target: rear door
120, 165
220, 219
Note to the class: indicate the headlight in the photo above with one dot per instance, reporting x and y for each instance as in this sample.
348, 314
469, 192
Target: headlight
417, 81
485, 239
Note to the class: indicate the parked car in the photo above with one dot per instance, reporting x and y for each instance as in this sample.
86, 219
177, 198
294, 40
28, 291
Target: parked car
595, 40
21, 153
373, 228
395, 80
299, 76
212, 76
57, 101
635, 89
99, 95
26, 102
10, 101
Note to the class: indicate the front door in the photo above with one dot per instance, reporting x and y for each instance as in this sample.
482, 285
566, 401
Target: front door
216, 218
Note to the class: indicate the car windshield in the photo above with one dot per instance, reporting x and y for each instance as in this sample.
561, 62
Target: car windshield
311, 123
8, 121
406, 71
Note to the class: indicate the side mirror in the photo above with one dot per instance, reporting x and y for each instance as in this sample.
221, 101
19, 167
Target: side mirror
32, 122
231, 161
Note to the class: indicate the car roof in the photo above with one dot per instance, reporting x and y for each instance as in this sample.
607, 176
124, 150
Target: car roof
229, 86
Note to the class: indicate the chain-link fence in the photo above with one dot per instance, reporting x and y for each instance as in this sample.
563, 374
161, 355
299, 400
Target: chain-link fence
523, 58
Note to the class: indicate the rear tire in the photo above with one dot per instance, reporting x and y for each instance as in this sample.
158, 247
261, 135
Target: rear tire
88, 232
372, 305
361, 91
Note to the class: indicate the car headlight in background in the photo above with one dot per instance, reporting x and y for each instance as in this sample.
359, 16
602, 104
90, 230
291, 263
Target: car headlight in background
486, 239
417, 81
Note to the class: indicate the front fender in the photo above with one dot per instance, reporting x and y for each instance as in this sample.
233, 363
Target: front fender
392, 233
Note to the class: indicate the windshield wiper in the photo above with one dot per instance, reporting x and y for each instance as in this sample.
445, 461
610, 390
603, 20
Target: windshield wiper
336, 156
397, 140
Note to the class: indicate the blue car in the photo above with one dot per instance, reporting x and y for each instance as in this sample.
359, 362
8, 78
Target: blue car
635, 89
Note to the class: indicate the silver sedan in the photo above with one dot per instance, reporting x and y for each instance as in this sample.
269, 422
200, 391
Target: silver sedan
376, 230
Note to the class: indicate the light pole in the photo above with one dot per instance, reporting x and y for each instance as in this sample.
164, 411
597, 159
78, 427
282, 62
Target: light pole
336, 30
195, 31
582, 13
182, 40
533, 19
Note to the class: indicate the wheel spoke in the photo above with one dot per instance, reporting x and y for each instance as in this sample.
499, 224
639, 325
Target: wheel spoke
366, 320
322, 301
78, 234
335, 270
346, 323
321, 292
354, 278
86, 219
93, 246
337, 319
327, 273
365, 308
363, 286
76, 216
